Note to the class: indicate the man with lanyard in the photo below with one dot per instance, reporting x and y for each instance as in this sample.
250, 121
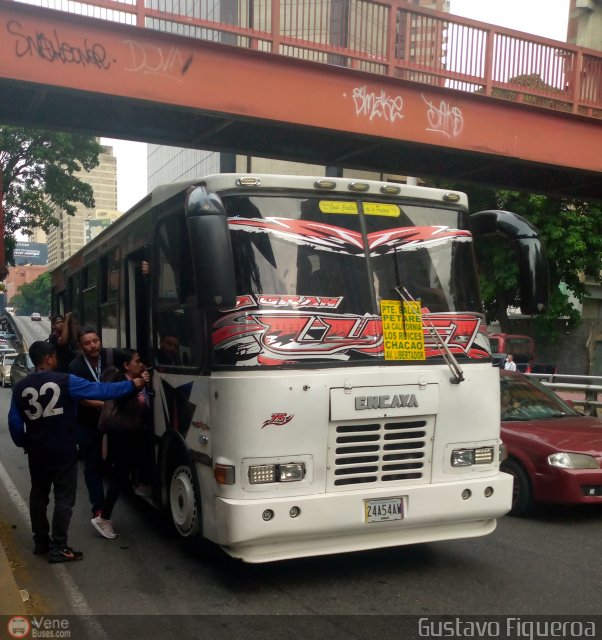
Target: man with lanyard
41, 421
89, 365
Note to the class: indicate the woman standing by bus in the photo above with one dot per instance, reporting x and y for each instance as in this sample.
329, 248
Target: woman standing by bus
127, 427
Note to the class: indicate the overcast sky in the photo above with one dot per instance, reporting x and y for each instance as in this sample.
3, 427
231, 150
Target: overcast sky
546, 18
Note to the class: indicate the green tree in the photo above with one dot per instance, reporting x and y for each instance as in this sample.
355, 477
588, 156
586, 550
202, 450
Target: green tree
38, 178
33, 296
570, 230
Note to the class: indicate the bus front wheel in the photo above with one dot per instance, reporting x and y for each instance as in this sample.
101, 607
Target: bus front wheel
522, 494
184, 503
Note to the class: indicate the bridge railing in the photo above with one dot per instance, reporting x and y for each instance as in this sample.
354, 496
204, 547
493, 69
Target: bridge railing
385, 37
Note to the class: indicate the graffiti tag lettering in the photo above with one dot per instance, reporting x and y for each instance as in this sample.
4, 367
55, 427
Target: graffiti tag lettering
377, 105
53, 48
153, 60
444, 119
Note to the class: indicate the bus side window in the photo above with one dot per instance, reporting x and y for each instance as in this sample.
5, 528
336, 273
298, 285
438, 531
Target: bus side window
168, 350
178, 321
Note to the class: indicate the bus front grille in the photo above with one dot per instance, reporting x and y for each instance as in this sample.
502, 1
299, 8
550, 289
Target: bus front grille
380, 453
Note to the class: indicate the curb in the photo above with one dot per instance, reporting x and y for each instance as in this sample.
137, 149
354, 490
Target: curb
11, 603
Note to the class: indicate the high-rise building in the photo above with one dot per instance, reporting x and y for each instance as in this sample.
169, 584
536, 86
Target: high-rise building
172, 164
70, 234
37, 235
585, 24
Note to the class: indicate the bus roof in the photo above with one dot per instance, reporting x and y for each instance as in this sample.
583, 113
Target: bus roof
233, 181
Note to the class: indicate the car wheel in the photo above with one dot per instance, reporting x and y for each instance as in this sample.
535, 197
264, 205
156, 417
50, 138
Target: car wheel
522, 494
183, 502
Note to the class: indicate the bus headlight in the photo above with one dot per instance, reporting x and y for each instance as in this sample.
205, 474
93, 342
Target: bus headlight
291, 472
262, 473
468, 457
266, 473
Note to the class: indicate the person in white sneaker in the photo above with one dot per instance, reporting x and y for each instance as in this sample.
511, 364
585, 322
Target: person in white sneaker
125, 423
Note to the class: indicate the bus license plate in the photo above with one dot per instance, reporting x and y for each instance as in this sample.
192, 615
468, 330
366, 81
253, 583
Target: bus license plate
383, 510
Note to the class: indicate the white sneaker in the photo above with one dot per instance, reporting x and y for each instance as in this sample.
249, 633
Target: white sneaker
104, 527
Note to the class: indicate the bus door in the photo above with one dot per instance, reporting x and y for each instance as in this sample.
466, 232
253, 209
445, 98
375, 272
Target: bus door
137, 305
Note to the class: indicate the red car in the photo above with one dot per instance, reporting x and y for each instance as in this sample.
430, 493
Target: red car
554, 452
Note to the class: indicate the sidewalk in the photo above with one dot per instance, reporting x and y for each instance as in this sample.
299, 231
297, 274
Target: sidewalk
11, 603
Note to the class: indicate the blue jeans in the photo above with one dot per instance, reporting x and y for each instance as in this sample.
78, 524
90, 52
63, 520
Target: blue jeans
89, 442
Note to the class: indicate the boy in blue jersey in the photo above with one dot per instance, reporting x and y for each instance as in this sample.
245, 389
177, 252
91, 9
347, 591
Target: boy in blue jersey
41, 419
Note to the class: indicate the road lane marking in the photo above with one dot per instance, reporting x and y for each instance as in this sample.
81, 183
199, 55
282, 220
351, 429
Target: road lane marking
76, 597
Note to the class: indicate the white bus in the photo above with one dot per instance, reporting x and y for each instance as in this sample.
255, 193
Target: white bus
323, 379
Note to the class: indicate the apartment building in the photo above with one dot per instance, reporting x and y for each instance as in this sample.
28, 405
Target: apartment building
73, 232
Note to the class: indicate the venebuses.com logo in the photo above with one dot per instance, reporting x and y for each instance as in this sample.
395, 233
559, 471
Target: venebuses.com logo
38, 627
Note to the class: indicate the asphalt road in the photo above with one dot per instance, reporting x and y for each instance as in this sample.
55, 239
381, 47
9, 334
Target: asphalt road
32, 330
547, 564
151, 580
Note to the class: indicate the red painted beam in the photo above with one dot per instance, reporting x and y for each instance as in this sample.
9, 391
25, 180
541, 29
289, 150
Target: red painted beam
47, 48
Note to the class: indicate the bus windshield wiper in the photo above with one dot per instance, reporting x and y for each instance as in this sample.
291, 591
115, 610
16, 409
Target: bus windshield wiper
448, 356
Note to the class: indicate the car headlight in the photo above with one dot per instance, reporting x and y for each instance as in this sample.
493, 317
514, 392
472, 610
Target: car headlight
572, 461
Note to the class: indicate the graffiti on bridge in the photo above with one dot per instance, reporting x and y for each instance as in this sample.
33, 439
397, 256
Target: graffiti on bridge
377, 105
154, 60
53, 48
445, 118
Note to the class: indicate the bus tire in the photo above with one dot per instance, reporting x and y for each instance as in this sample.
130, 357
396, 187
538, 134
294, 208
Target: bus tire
522, 494
184, 502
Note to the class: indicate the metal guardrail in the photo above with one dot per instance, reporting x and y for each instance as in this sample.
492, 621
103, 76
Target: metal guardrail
19, 343
588, 386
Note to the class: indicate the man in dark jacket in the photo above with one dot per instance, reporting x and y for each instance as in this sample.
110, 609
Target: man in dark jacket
41, 420
89, 364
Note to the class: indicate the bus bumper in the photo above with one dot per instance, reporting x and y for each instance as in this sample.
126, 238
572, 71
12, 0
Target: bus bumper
336, 522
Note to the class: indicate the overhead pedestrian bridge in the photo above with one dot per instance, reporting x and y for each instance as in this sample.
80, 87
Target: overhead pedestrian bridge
383, 86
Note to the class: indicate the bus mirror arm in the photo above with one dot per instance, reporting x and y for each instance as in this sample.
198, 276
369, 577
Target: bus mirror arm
532, 259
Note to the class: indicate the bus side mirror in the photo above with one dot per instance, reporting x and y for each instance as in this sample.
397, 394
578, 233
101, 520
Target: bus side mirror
533, 274
532, 260
212, 259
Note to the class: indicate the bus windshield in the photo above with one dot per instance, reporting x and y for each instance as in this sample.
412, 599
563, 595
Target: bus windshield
325, 258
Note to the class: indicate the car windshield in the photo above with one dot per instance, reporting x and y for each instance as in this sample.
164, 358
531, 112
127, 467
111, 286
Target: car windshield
526, 399
8, 361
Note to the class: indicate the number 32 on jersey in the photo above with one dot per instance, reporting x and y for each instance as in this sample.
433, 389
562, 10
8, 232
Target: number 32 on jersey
43, 403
